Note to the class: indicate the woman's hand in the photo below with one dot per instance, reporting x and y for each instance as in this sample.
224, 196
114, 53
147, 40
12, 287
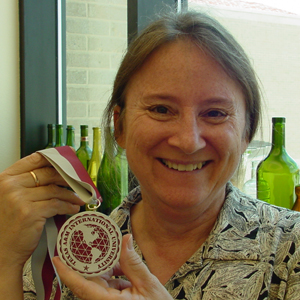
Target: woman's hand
26, 206
143, 285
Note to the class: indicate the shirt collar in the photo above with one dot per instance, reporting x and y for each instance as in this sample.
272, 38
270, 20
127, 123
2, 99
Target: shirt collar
235, 235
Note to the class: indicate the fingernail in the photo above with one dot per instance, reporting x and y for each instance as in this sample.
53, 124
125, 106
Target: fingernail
130, 243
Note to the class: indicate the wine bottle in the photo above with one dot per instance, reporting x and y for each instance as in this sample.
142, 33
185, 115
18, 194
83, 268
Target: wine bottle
112, 180
297, 202
249, 186
84, 152
96, 155
59, 135
51, 136
278, 173
70, 136
96, 158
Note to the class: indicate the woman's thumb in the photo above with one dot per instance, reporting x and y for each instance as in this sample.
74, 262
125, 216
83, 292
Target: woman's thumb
134, 268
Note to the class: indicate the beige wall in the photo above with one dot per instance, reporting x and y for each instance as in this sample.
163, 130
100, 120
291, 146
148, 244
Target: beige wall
9, 84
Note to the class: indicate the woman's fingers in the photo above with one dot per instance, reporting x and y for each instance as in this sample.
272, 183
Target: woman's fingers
118, 284
15, 196
92, 288
34, 178
31, 191
82, 288
27, 164
144, 283
31, 171
42, 176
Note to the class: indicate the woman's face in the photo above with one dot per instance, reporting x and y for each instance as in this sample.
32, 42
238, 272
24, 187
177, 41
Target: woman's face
184, 127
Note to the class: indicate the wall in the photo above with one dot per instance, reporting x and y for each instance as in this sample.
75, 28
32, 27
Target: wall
96, 40
9, 84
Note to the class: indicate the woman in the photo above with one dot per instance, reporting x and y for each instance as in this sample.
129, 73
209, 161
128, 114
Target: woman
185, 105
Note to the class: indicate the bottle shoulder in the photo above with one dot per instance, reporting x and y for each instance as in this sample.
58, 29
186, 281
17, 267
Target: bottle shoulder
278, 162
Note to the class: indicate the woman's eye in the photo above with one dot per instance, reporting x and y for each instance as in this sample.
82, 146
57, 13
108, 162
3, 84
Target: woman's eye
216, 114
160, 109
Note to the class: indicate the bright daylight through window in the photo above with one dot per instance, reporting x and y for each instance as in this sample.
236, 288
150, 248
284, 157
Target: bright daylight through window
269, 31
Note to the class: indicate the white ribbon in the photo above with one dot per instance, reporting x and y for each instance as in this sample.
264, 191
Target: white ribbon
65, 161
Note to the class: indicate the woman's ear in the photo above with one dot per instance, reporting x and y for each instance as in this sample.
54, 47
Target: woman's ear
119, 129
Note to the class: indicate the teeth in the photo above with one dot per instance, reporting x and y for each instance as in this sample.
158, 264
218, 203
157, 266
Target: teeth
180, 167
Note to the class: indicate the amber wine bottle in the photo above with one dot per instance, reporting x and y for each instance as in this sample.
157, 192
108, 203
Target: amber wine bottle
84, 152
59, 135
297, 202
70, 136
278, 173
51, 136
112, 180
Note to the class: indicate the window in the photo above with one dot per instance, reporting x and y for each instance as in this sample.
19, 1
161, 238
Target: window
271, 38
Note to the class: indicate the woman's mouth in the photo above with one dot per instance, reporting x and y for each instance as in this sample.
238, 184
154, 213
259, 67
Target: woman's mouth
183, 167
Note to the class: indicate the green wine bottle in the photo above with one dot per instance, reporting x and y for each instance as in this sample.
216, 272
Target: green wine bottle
112, 179
278, 173
51, 136
84, 152
70, 136
59, 135
96, 155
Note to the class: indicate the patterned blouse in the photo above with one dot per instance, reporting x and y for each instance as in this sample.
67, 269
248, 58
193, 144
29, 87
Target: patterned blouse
253, 252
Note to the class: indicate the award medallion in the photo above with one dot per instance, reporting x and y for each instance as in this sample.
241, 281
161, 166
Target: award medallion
89, 243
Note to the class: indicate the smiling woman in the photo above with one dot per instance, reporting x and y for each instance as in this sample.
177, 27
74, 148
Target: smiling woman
202, 125
185, 105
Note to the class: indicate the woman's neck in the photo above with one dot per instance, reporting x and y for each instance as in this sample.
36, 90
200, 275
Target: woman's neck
168, 237
159, 221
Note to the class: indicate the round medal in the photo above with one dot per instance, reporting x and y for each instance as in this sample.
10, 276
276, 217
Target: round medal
89, 243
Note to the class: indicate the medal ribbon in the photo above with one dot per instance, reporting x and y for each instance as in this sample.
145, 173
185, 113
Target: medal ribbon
65, 161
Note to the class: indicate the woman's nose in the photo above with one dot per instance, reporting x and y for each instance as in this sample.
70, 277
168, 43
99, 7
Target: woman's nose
187, 136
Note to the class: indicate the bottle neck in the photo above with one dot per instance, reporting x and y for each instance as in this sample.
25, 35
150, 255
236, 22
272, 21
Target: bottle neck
84, 136
278, 136
84, 141
59, 137
71, 138
51, 135
96, 141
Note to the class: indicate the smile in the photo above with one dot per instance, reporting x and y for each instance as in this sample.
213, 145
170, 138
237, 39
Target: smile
181, 167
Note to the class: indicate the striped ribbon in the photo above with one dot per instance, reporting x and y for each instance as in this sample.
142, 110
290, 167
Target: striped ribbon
65, 161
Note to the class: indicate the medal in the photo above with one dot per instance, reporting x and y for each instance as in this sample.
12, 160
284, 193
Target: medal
89, 243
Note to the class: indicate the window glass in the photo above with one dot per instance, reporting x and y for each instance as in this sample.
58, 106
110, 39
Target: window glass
270, 35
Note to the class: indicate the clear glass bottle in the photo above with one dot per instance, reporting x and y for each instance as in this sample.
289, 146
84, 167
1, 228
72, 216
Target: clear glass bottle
51, 136
249, 186
59, 135
278, 173
70, 136
112, 181
84, 152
